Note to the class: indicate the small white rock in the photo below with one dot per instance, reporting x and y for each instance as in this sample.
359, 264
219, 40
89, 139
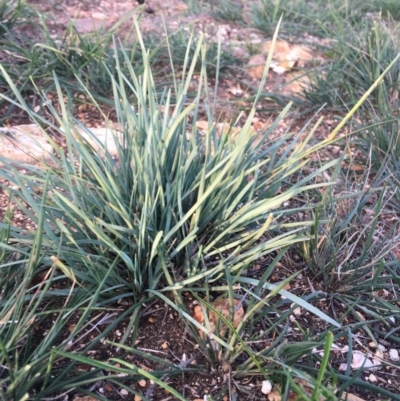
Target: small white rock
236, 91
360, 360
372, 378
124, 392
394, 355
99, 16
24, 144
297, 311
266, 387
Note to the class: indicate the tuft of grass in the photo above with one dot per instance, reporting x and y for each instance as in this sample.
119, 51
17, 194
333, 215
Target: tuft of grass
377, 138
90, 58
228, 10
196, 6
182, 50
160, 206
350, 252
11, 13
174, 209
158, 209
389, 8
349, 255
300, 16
357, 57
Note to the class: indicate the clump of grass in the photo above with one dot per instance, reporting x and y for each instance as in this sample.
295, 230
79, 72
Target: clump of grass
11, 12
358, 57
173, 204
299, 16
190, 186
389, 8
379, 140
349, 257
196, 6
183, 50
90, 58
228, 10
170, 209
347, 253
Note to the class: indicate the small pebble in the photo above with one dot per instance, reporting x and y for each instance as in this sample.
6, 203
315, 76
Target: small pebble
266, 387
394, 355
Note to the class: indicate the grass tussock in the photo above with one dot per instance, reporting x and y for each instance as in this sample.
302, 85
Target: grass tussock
163, 212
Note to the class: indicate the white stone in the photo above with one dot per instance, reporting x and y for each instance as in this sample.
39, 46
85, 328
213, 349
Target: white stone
394, 355
106, 138
100, 16
297, 311
24, 144
266, 387
360, 360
